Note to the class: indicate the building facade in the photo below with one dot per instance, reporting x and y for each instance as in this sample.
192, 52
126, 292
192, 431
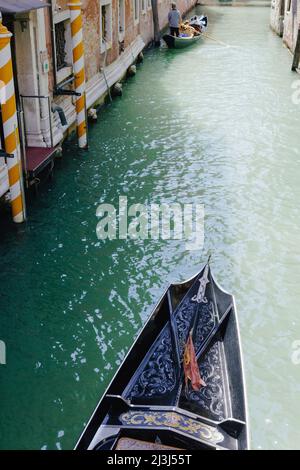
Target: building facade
66, 55
285, 20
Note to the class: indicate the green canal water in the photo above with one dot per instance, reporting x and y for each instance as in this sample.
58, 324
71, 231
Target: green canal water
213, 124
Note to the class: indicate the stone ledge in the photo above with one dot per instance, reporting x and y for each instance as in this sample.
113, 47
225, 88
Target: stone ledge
97, 87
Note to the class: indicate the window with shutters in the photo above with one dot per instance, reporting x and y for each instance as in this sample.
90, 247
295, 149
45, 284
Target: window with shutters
105, 24
60, 44
63, 45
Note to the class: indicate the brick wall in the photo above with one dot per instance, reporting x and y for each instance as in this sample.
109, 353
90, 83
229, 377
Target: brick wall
91, 29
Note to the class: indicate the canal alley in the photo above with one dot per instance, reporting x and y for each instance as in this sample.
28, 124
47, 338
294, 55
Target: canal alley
214, 124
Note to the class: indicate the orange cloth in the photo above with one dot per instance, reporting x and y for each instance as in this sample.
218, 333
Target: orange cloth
190, 366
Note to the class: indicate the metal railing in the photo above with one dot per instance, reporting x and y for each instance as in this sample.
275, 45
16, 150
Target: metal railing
23, 132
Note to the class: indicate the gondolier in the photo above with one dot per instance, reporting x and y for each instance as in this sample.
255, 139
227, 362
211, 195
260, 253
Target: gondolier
174, 18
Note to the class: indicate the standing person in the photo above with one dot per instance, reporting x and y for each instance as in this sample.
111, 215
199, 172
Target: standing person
174, 18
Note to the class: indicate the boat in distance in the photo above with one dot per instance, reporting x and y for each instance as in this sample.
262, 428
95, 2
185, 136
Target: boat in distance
154, 402
191, 32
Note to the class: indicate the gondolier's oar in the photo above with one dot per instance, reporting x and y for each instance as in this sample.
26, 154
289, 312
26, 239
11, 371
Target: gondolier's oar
216, 40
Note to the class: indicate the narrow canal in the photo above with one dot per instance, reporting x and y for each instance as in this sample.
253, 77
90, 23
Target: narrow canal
213, 124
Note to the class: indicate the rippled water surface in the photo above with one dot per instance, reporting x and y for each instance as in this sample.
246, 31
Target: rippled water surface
213, 124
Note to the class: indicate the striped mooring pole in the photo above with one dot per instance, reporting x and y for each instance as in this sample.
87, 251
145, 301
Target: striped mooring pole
10, 126
78, 66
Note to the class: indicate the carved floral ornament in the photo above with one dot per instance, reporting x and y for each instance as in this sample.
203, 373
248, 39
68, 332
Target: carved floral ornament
175, 421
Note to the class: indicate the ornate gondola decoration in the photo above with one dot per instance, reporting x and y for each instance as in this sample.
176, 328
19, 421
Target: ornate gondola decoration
159, 375
175, 421
182, 381
210, 399
200, 296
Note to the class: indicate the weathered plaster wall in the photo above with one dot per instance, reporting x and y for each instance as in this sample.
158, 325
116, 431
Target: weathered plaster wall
285, 20
146, 25
91, 35
291, 22
277, 16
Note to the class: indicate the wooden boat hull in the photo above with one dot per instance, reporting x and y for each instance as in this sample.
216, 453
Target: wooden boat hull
174, 42
147, 400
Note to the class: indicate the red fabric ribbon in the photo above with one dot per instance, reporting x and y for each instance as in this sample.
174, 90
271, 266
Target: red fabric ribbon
190, 366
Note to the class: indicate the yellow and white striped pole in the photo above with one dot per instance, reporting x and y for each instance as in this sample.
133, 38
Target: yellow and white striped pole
78, 66
10, 126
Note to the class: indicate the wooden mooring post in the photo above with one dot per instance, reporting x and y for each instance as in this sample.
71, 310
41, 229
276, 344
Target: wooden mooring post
297, 53
155, 23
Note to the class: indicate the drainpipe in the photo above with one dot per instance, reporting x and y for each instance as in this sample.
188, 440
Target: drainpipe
155, 23
53, 44
78, 67
10, 127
